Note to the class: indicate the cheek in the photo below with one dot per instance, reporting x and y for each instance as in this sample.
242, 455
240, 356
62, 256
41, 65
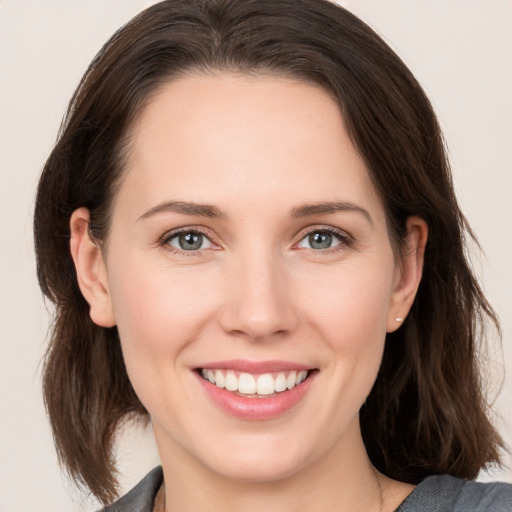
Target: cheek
351, 305
351, 316
155, 299
159, 312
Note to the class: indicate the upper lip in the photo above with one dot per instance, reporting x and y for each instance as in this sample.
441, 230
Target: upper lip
254, 367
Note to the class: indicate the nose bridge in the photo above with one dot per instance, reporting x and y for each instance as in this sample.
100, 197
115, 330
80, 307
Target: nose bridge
259, 304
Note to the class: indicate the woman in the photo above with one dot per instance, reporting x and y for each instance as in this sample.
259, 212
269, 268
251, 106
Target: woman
249, 231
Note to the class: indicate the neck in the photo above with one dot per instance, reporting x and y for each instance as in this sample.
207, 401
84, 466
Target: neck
343, 479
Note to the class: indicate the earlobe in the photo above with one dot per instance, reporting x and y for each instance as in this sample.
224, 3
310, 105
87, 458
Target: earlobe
408, 273
91, 270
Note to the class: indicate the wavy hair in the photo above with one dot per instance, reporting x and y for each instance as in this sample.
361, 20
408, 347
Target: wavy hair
427, 413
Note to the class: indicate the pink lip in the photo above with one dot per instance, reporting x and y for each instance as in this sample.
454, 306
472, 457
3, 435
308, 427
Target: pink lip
256, 408
255, 367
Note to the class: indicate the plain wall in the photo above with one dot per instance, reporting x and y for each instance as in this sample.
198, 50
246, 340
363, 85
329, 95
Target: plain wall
460, 50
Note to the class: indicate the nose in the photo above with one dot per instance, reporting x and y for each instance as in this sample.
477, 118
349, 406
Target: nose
259, 303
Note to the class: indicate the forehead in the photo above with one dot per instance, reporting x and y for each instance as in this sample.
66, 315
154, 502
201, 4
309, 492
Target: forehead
238, 139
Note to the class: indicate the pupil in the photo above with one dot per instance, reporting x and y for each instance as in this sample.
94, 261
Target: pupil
320, 240
191, 241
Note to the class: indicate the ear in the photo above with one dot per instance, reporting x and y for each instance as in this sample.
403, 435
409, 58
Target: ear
408, 272
91, 270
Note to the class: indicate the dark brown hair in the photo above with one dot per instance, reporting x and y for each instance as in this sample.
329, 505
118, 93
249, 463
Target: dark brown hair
427, 413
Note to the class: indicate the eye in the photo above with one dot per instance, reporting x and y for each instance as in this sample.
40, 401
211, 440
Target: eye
188, 241
322, 239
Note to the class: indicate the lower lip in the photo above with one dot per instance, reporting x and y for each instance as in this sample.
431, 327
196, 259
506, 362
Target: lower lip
256, 408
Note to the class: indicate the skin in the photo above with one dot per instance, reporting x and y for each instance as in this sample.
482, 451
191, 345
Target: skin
255, 148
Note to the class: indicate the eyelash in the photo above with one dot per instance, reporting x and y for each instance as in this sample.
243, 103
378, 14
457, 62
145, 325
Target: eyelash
345, 240
166, 239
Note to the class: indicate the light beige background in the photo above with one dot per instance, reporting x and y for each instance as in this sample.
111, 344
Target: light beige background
461, 51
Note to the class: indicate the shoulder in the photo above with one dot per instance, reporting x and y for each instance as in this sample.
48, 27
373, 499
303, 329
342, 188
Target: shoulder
444, 493
141, 498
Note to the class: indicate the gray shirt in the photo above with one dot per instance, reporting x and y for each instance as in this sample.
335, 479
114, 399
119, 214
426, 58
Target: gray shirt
442, 493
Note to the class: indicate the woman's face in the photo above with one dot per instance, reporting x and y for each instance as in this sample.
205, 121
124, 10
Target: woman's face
249, 247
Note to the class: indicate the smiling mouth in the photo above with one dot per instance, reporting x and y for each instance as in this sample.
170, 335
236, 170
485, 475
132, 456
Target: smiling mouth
248, 385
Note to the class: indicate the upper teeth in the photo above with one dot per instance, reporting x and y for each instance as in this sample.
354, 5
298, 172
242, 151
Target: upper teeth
248, 384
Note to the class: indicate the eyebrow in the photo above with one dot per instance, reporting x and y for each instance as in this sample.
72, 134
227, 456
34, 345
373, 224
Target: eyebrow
198, 210
329, 208
212, 212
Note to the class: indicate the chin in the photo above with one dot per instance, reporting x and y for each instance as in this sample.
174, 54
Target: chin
258, 472
260, 462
